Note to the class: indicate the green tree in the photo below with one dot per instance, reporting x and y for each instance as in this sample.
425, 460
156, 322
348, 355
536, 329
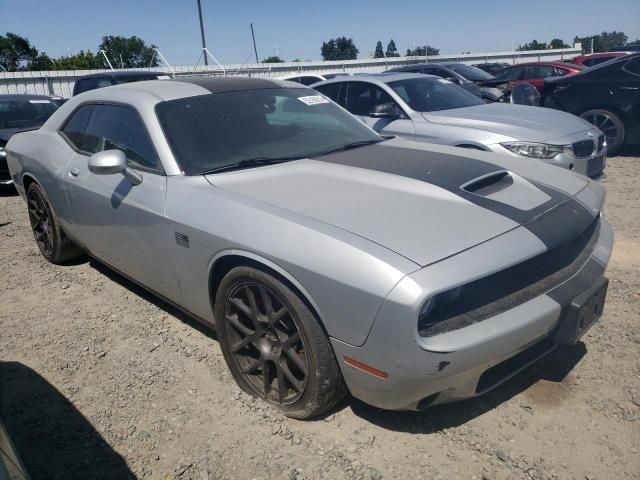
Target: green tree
341, 48
602, 42
273, 59
131, 52
392, 51
535, 45
558, 43
41, 63
83, 60
16, 52
422, 51
379, 53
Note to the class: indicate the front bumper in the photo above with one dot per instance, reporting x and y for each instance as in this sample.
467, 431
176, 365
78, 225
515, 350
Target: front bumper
469, 361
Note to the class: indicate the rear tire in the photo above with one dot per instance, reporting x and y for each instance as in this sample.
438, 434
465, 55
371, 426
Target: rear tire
51, 240
274, 345
610, 124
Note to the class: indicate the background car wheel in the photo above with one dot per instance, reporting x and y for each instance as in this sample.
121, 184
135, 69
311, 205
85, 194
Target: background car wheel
51, 240
610, 124
275, 346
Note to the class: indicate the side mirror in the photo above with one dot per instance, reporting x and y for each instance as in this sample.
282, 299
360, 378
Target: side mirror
109, 162
386, 110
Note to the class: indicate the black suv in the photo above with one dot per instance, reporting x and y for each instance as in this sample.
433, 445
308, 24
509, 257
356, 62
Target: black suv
106, 79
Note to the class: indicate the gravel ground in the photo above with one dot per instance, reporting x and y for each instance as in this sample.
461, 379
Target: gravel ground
100, 380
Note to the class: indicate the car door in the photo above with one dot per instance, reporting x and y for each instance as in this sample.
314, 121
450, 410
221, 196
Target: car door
361, 99
120, 223
535, 75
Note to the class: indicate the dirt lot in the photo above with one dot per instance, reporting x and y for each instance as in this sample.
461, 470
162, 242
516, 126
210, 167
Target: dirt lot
100, 380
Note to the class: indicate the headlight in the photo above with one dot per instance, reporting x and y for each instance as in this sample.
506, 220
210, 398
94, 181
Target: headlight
3, 152
534, 150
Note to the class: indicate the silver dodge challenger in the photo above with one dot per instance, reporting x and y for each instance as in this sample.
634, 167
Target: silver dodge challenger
328, 258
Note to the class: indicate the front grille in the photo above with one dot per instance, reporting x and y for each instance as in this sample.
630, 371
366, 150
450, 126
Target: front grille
4, 169
583, 148
506, 289
600, 143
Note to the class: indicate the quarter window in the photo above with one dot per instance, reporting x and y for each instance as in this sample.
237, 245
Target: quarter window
94, 128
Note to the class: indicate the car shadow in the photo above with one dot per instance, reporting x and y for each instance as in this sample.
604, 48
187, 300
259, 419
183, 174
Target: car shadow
8, 191
152, 298
553, 368
53, 439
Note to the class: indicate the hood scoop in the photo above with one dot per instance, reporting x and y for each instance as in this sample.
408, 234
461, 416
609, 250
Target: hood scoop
509, 188
489, 184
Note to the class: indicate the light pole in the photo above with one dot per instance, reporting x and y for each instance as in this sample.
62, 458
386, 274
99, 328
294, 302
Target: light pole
204, 44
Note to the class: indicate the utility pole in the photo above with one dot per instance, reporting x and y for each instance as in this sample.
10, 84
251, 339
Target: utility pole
254, 43
204, 44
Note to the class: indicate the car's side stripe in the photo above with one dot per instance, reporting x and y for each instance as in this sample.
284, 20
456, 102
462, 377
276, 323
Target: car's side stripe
564, 217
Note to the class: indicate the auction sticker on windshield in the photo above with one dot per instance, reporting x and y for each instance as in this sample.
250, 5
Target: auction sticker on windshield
313, 100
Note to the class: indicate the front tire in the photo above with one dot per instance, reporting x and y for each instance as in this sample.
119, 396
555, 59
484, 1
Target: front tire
274, 345
610, 124
51, 240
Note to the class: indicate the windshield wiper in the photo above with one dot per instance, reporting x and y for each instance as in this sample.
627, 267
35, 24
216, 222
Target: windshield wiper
248, 163
350, 146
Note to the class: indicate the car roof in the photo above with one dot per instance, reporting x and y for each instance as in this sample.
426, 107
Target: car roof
550, 63
384, 77
24, 96
181, 87
123, 74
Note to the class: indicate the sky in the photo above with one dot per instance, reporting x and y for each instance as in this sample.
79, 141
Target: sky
296, 29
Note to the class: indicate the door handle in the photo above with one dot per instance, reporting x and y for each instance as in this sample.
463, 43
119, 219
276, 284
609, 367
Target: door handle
74, 172
628, 88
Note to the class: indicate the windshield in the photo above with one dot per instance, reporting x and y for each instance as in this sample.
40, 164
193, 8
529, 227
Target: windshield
210, 132
23, 113
469, 72
433, 94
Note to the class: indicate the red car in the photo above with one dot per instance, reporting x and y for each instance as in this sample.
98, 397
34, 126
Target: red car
535, 72
596, 58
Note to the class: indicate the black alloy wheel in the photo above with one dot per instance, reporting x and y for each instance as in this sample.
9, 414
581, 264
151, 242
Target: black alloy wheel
265, 343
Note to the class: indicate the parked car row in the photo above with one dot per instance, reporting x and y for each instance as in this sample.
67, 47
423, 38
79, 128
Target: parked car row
328, 258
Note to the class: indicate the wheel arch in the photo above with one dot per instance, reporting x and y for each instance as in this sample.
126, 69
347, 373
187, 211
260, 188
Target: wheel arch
224, 262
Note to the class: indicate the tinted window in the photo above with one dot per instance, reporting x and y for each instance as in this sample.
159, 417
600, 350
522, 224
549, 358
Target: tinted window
23, 113
76, 125
212, 131
363, 97
588, 62
83, 85
509, 74
332, 91
633, 66
134, 78
307, 80
94, 128
103, 82
439, 72
561, 72
540, 71
430, 94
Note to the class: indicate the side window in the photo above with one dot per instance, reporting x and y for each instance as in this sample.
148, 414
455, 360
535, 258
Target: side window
363, 97
509, 74
540, 71
74, 129
83, 85
561, 72
438, 72
588, 62
307, 80
94, 128
102, 82
632, 66
332, 91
